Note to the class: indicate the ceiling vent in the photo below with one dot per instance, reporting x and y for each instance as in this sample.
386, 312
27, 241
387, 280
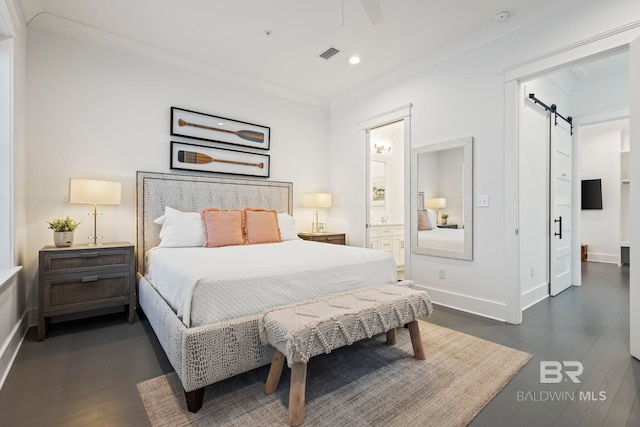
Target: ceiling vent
329, 53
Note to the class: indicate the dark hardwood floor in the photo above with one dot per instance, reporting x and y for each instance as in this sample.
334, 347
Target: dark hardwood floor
85, 372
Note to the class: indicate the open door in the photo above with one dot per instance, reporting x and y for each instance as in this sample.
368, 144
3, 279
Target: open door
634, 264
560, 205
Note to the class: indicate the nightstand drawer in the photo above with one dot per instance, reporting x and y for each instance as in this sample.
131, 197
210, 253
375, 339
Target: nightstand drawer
68, 262
65, 292
335, 238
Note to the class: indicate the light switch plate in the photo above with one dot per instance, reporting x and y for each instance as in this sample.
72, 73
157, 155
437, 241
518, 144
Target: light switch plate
482, 201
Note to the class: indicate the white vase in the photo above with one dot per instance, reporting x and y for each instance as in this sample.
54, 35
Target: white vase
63, 239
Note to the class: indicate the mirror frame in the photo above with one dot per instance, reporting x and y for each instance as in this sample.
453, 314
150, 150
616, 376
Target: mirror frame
467, 252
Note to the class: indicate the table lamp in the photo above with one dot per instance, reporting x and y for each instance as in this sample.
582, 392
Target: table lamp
436, 203
95, 192
316, 201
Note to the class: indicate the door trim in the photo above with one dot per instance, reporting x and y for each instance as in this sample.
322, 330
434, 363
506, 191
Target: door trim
403, 113
616, 39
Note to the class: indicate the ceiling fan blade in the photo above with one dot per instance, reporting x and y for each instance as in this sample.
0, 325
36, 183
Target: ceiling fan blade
373, 10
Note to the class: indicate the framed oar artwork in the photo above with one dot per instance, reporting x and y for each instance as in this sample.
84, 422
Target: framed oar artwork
191, 124
200, 158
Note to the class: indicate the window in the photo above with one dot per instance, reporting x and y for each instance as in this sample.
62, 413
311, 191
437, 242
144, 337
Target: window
6, 153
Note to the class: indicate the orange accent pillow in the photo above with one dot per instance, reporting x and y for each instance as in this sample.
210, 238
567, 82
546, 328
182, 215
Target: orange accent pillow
423, 221
223, 228
262, 226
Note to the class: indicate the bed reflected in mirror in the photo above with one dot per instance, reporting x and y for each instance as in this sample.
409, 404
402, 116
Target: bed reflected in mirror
442, 199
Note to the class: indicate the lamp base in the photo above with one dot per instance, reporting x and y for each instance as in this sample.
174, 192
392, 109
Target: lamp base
95, 236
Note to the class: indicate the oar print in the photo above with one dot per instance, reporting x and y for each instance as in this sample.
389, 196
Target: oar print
249, 135
199, 158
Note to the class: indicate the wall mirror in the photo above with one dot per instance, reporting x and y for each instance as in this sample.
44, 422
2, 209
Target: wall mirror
442, 199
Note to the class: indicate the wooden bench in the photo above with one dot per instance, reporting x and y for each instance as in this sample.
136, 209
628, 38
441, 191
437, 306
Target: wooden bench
301, 331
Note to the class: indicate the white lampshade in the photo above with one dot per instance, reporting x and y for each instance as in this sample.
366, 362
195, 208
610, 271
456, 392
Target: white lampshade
437, 203
316, 200
93, 191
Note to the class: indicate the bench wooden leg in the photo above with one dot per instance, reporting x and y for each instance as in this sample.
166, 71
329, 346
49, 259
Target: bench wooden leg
194, 399
296, 393
275, 371
391, 336
416, 340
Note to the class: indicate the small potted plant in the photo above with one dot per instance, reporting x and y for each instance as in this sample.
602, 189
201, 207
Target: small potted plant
63, 229
444, 217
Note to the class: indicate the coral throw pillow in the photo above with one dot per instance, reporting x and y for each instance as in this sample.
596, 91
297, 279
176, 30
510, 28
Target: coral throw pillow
423, 221
223, 228
262, 226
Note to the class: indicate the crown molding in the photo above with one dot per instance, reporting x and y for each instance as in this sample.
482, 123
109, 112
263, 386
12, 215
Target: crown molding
77, 31
11, 18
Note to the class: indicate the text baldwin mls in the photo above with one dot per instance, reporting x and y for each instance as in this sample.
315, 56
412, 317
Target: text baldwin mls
561, 396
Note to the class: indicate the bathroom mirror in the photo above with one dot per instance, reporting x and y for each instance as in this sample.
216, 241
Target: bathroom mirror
442, 199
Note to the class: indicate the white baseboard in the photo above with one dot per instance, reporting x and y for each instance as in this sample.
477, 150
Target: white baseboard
478, 306
10, 347
534, 296
606, 258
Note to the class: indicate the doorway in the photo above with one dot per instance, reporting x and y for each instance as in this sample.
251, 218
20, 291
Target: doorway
604, 171
386, 190
549, 175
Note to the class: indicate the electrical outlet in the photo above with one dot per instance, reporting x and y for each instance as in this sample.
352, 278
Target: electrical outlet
442, 273
532, 272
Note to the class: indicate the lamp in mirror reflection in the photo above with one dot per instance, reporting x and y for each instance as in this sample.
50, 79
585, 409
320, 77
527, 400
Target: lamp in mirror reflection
437, 204
316, 201
94, 192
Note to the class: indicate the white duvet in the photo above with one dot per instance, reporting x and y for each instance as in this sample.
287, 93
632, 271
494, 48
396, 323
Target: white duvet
208, 285
442, 238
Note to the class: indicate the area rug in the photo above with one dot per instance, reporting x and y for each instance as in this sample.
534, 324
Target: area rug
366, 384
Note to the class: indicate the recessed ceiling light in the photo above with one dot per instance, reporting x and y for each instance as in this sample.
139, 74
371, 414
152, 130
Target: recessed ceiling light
503, 15
221, 124
354, 60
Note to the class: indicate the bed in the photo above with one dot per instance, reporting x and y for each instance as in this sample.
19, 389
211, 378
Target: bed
450, 239
206, 350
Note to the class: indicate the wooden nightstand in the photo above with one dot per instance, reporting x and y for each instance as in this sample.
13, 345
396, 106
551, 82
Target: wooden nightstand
82, 278
335, 238
448, 226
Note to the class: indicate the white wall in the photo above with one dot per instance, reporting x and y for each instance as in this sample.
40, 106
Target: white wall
634, 202
600, 146
103, 113
463, 96
440, 176
451, 184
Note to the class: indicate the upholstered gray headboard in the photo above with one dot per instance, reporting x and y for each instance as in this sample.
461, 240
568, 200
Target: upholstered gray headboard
192, 193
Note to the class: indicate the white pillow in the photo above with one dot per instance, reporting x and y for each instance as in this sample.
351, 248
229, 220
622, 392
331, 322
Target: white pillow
432, 219
180, 229
287, 225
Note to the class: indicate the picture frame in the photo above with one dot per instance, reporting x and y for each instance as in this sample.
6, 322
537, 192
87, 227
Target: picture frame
201, 158
207, 127
378, 183
378, 193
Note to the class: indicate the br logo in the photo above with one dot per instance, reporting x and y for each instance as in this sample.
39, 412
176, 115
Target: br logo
553, 372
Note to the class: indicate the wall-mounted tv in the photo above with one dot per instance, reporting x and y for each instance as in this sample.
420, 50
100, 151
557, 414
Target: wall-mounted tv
591, 194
